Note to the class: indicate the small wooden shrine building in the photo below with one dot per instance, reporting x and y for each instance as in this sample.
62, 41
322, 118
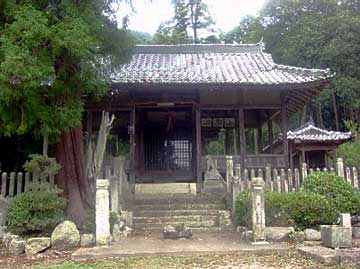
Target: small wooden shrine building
171, 102
314, 146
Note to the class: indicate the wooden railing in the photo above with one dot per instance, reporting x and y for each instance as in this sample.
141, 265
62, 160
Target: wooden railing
250, 161
13, 183
281, 180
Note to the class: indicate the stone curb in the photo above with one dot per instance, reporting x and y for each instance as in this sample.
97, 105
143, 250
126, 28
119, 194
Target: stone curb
94, 256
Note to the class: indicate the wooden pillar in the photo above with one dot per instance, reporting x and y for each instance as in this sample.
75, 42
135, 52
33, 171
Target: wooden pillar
291, 156
284, 127
260, 139
132, 146
198, 150
256, 144
334, 157
242, 137
271, 135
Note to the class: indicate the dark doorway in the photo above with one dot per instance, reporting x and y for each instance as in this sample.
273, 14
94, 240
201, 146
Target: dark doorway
168, 144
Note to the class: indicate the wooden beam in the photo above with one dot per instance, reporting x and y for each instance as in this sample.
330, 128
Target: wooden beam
284, 125
260, 139
242, 137
132, 129
198, 150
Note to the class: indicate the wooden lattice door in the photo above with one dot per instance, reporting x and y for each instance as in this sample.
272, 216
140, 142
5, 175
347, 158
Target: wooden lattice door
168, 144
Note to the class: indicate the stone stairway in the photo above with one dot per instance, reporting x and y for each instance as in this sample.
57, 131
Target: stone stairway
201, 212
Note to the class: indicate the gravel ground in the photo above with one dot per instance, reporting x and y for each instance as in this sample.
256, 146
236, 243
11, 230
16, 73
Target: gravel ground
61, 260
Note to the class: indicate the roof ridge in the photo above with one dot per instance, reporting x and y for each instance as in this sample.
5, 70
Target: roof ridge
308, 71
198, 48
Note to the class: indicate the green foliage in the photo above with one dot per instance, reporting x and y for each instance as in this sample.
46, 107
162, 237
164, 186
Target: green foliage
277, 209
312, 34
42, 165
189, 16
350, 151
37, 211
309, 210
243, 209
217, 147
90, 222
336, 189
249, 30
52, 54
301, 209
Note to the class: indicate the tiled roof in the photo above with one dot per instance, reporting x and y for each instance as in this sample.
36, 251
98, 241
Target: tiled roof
217, 63
310, 133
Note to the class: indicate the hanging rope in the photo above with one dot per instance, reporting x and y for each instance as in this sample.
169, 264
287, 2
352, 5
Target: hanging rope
171, 122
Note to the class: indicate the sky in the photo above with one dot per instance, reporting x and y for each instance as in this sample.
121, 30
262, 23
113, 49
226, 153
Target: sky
149, 14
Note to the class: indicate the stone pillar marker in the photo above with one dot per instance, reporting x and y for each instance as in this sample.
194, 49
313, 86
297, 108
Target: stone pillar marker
258, 211
102, 212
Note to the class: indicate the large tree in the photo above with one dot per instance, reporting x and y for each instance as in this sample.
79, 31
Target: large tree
190, 17
320, 34
52, 55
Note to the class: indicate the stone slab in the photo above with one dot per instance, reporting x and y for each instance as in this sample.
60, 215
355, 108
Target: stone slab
165, 188
331, 256
336, 236
199, 244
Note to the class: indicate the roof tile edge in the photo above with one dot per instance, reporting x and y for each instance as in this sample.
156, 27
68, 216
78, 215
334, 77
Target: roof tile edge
198, 48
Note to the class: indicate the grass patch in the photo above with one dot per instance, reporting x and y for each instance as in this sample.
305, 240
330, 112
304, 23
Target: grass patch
287, 260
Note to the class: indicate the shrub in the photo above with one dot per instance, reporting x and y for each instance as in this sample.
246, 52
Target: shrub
42, 165
36, 212
309, 210
276, 209
301, 209
336, 189
243, 209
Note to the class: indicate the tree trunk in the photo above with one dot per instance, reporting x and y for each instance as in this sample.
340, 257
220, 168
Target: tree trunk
72, 179
335, 111
303, 115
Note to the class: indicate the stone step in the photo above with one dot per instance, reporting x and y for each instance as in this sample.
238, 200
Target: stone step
194, 229
176, 219
168, 213
190, 224
179, 206
178, 199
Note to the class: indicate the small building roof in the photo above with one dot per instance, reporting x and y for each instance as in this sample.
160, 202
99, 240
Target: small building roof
244, 64
309, 133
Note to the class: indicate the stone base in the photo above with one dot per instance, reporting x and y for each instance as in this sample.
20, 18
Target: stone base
334, 236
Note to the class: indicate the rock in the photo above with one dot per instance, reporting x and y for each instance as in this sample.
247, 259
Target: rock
356, 232
122, 225
8, 237
4, 207
246, 235
17, 247
335, 236
225, 222
176, 231
65, 236
278, 234
36, 245
240, 229
299, 237
2, 232
87, 240
127, 231
312, 235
